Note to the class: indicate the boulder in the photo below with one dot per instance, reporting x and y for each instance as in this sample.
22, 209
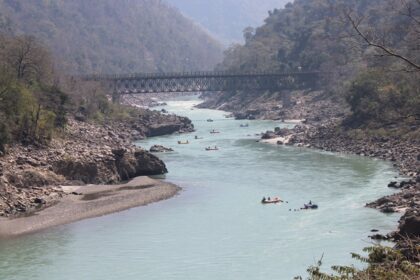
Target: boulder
269, 135
378, 236
393, 184
119, 153
388, 209
39, 200
160, 149
405, 184
410, 224
80, 117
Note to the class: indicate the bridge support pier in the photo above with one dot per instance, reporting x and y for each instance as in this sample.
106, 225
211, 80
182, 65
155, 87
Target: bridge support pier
286, 100
116, 96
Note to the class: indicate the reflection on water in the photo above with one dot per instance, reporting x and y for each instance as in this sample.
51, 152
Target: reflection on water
217, 228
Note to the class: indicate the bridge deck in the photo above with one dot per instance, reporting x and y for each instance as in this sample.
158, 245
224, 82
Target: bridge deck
205, 81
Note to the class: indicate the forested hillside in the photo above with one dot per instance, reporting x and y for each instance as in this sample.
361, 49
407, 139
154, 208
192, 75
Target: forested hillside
226, 19
317, 35
113, 36
370, 49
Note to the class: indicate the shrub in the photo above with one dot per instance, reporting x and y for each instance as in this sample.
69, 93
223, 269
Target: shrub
383, 263
379, 99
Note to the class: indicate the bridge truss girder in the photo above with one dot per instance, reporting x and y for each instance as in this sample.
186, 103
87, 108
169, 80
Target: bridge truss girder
138, 85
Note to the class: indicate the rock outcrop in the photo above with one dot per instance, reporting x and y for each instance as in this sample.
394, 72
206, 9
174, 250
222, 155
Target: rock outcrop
84, 154
135, 163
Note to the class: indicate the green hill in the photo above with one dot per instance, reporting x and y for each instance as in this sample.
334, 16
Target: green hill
113, 36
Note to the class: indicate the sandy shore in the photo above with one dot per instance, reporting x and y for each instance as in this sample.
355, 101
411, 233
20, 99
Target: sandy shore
294, 121
90, 201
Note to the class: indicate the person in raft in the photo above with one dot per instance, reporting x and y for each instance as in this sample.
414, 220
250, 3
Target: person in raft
263, 200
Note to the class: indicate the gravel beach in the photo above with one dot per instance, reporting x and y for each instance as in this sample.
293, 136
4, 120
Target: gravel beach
90, 201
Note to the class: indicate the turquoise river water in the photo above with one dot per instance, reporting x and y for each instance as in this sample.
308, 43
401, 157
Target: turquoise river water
216, 228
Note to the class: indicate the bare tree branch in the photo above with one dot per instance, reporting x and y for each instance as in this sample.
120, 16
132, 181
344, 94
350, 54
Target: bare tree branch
356, 26
409, 11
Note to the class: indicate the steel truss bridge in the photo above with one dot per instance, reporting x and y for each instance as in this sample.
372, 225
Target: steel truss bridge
206, 81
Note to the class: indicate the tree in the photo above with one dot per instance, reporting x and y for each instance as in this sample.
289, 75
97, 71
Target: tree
31, 107
380, 98
29, 59
408, 14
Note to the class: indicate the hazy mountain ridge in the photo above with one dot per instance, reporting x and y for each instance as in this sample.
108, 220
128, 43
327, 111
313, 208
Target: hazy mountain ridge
105, 36
227, 18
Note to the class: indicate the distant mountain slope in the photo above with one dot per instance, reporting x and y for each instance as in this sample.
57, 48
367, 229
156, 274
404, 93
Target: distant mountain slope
114, 36
226, 19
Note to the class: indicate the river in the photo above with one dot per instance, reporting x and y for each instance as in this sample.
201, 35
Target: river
216, 228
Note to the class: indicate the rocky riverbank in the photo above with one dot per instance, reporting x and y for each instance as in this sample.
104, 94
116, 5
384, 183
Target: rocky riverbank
310, 105
84, 153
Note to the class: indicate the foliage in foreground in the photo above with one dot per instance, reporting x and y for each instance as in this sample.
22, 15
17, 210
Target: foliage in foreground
383, 263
